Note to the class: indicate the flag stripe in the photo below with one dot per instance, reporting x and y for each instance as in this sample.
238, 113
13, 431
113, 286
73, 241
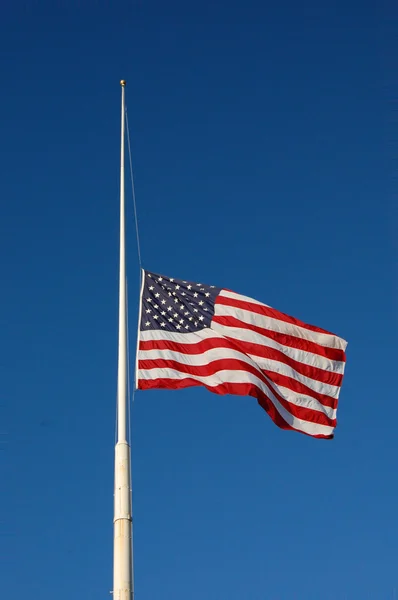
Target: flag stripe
249, 342
174, 336
245, 303
243, 313
236, 383
219, 368
280, 338
281, 368
230, 294
326, 394
242, 389
279, 379
209, 356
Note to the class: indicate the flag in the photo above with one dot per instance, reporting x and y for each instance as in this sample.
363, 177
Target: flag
194, 334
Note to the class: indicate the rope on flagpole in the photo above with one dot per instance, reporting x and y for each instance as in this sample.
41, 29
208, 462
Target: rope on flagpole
133, 192
139, 261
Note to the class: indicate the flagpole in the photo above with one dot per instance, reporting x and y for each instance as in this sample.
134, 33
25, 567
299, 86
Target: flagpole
123, 586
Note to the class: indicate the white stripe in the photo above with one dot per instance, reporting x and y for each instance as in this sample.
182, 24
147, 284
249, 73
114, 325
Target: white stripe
223, 377
197, 360
229, 294
214, 354
178, 338
279, 326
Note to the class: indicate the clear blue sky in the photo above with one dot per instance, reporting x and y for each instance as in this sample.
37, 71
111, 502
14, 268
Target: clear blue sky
263, 156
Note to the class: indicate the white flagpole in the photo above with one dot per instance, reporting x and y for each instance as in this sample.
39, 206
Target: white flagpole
123, 586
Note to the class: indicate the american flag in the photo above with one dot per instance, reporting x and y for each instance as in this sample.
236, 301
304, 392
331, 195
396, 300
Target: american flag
195, 334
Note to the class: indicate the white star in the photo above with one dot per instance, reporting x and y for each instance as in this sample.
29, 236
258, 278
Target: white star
181, 321
212, 286
149, 299
195, 295
199, 284
163, 301
177, 287
151, 287
175, 315
157, 295
163, 313
171, 279
206, 309
207, 294
163, 324
156, 316
186, 313
183, 294
190, 318
178, 326
169, 293
195, 310
196, 323
170, 320
176, 300
182, 307
189, 287
186, 326
148, 310
160, 279
147, 323
200, 318
201, 303
155, 306
169, 308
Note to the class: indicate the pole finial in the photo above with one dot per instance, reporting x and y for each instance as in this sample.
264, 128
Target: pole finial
123, 83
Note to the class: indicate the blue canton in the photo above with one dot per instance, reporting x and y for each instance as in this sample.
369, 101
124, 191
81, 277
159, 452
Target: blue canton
176, 305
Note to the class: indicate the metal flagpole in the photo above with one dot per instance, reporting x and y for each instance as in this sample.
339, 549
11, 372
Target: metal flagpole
123, 586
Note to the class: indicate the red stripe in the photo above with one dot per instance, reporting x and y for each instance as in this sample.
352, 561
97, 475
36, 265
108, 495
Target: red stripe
267, 311
282, 338
248, 348
233, 364
240, 389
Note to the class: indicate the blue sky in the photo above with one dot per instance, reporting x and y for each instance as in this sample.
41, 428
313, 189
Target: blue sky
263, 149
